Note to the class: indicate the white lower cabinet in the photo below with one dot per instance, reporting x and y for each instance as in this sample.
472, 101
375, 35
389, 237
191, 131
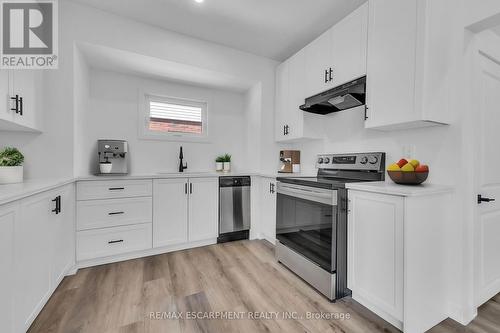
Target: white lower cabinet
268, 209
43, 250
398, 247
170, 218
185, 210
375, 252
203, 209
98, 243
8, 216
114, 218
63, 229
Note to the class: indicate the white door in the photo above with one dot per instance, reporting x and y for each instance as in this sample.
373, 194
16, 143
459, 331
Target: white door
268, 209
390, 86
318, 63
349, 40
281, 102
203, 209
27, 84
5, 105
375, 251
63, 233
7, 222
294, 116
32, 259
487, 224
170, 211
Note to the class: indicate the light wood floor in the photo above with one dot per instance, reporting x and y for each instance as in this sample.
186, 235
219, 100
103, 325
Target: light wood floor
237, 277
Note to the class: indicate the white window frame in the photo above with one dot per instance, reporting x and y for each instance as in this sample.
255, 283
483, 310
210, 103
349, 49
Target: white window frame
144, 118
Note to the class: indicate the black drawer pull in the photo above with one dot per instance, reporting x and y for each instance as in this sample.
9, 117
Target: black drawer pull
116, 188
115, 241
116, 213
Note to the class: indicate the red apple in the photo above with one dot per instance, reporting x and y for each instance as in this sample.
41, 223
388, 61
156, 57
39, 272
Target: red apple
422, 168
402, 162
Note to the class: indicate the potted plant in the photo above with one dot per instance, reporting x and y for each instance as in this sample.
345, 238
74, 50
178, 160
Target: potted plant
11, 166
227, 163
219, 163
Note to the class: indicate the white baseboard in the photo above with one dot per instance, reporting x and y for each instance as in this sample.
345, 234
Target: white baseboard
462, 315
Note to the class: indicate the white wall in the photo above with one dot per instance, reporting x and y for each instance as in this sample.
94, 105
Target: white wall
51, 154
112, 112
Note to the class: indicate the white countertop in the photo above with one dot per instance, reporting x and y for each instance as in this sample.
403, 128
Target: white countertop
196, 174
13, 192
400, 190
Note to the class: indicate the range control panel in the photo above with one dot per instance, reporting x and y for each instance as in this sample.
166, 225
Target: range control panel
355, 161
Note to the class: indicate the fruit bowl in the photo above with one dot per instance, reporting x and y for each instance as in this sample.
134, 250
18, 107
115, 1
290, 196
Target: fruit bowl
408, 178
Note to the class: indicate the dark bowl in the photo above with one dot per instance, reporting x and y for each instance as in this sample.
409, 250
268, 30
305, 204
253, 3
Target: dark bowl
408, 178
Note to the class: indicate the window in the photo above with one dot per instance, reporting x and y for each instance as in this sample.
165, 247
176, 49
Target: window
167, 117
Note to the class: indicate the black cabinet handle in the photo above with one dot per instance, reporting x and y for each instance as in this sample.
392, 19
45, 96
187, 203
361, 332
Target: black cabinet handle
20, 106
57, 201
16, 98
284, 130
271, 188
115, 241
326, 76
481, 199
287, 129
330, 74
55, 209
116, 188
186, 188
190, 188
116, 213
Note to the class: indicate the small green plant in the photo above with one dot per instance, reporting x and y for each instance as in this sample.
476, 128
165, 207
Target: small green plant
227, 158
11, 157
219, 159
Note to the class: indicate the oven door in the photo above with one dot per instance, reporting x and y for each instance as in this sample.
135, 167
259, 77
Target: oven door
306, 222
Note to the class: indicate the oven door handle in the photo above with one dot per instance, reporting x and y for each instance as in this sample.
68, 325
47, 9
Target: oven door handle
328, 197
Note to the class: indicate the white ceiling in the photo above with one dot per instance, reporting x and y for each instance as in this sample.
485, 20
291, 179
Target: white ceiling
271, 28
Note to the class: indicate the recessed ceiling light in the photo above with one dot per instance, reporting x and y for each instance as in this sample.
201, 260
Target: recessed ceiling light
199, 1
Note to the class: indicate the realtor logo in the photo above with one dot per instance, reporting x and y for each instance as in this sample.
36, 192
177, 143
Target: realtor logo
29, 34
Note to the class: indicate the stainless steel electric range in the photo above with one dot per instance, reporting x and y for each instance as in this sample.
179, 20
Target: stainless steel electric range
311, 219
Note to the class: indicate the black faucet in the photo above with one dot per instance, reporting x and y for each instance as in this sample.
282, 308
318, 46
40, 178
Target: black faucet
182, 165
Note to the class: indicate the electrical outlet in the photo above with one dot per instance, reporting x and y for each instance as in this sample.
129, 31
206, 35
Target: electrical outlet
409, 151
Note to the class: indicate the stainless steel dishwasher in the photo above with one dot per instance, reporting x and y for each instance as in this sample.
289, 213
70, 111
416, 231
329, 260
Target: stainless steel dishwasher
234, 208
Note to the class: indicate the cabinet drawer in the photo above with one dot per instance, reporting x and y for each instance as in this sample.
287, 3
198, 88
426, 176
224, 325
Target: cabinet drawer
92, 214
111, 189
112, 241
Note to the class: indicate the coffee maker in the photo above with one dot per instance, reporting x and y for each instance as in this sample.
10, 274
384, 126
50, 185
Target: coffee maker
112, 157
289, 161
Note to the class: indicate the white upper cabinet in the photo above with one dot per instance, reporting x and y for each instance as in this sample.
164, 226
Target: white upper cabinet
20, 100
336, 57
319, 63
402, 58
6, 115
291, 122
349, 40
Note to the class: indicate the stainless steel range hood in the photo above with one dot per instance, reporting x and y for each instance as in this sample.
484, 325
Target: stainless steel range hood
346, 96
